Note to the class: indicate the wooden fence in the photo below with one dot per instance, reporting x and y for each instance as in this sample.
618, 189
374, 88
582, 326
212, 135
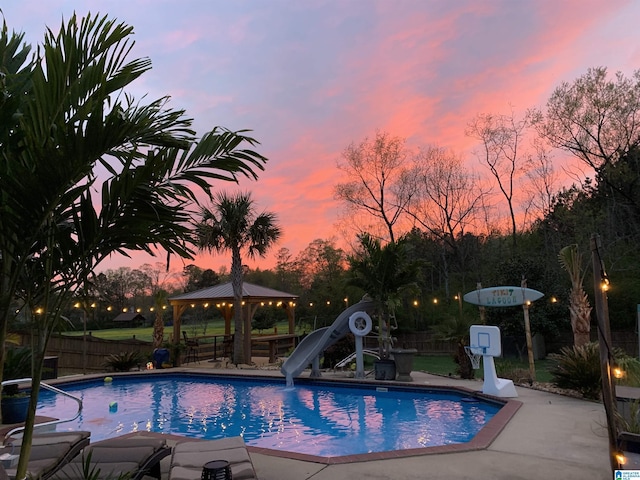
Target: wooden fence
75, 355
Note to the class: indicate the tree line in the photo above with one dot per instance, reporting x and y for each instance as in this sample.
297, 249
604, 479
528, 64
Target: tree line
447, 215
65, 115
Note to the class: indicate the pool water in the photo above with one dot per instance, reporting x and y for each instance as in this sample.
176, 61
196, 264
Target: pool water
316, 418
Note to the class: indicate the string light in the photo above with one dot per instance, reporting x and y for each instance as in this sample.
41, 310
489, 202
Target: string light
616, 371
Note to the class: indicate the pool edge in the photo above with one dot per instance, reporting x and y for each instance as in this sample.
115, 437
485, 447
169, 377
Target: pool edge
481, 441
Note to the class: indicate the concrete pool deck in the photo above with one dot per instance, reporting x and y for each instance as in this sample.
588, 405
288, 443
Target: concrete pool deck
550, 436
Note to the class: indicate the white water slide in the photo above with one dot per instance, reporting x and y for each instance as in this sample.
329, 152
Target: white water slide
312, 346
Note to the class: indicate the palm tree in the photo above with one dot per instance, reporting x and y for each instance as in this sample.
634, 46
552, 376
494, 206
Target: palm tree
62, 115
232, 224
385, 273
159, 302
579, 308
456, 329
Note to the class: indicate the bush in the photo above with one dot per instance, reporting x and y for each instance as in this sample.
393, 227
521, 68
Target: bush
631, 368
631, 422
17, 364
578, 368
514, 372
338, 351
123, 362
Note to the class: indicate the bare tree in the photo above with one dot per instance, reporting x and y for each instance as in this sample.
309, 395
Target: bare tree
543, 180
595, 118
501, 137
376, 172
446, 201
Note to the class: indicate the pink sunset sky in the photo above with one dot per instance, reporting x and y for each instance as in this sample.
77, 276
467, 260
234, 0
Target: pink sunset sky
309, 77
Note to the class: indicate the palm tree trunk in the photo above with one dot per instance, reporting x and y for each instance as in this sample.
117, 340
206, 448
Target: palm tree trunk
580, 314
236, 282
158, 330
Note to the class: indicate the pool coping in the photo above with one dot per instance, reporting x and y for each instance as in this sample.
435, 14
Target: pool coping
481, 441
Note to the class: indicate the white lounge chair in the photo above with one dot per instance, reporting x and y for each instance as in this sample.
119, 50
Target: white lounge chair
49, 452
189, 457
131, 458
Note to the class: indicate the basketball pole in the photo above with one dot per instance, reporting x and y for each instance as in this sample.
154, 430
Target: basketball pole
527, 333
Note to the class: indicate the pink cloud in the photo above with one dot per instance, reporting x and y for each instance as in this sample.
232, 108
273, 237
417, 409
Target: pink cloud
311, 77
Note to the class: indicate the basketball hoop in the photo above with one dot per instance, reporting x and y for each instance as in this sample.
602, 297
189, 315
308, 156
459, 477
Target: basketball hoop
474, 357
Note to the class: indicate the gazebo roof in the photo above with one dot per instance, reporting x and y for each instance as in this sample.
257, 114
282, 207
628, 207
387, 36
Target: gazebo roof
224, 292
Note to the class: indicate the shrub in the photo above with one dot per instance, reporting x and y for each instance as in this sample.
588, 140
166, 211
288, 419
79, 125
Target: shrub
514, 372
578, 368
17, 364
338, 351
631, 368
631, 421
124, 361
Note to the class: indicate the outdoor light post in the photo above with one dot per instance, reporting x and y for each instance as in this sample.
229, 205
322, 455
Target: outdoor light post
601, 284
527, 332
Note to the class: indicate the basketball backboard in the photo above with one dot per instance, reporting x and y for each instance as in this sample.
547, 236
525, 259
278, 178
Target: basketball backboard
485, 340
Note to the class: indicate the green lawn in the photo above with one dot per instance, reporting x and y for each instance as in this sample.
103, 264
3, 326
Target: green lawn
437, 364
444, 365
146, 333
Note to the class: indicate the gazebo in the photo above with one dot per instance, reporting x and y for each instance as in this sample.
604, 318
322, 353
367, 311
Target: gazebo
221, 296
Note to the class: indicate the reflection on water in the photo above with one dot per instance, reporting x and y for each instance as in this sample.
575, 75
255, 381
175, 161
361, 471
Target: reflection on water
324, 420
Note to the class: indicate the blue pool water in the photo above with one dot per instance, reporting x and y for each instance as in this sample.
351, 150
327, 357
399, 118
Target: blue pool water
316, 418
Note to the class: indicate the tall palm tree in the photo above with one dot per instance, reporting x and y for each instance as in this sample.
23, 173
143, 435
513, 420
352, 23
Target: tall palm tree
64, 115
579, 308
232, 224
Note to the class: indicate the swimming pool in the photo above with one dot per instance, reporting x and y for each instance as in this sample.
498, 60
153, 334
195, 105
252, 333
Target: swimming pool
318, 418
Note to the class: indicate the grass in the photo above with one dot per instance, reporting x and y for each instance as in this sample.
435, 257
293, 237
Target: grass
436, 364
146, 333
444, 365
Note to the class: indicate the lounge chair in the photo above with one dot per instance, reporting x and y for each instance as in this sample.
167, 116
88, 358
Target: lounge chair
189, 457
132, 457
49, 452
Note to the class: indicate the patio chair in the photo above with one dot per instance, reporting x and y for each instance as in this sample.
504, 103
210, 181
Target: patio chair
131, 458
193, 347
49, 452
189, 457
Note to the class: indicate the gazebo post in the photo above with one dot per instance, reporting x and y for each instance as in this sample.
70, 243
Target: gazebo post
246, 315
177, 312
222, 296
291, 315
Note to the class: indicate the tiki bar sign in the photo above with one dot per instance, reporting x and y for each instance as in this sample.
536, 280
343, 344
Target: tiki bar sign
502, 296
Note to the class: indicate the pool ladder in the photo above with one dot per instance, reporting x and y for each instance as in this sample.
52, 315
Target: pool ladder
51, 388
